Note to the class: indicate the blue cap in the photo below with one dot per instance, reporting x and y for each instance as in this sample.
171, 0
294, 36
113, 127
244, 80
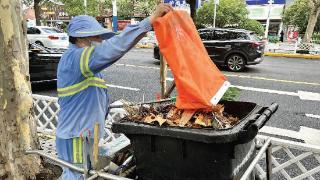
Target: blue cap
85, 26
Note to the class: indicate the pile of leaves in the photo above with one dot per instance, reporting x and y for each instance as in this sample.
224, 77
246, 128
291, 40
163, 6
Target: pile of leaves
169, 115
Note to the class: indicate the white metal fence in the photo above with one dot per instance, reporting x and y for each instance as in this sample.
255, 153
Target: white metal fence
277, 158
293, 47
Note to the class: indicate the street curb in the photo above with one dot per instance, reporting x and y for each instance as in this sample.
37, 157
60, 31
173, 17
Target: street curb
305, 56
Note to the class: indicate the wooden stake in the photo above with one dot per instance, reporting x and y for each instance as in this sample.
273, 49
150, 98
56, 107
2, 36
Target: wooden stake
95, 152
186, 116
163, 76
170, 89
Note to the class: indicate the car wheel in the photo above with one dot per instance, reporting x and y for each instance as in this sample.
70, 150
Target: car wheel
39, 43
235, 63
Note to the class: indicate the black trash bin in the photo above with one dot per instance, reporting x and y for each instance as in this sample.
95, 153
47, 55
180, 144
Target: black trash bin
173, 153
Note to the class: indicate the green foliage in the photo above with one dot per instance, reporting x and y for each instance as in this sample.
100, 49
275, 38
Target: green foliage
126, 8
129, 8
146, 7
229, 12
298, 14
76, 7
253, 25
273, 39
231, 94
316, 38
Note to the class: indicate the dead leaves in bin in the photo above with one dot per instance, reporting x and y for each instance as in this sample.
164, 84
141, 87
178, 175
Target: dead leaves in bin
169, 115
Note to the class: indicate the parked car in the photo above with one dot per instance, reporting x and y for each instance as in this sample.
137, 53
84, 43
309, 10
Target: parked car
234, 48
48, 37
43, 63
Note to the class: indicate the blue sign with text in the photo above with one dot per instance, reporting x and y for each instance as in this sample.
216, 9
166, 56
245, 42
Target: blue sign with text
175, 2
259, 2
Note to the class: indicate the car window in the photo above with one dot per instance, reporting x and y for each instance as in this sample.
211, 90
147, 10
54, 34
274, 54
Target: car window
33, 30
239, 36
51, 30
254, 37
205, 35
220, 35
30, 31
37, 31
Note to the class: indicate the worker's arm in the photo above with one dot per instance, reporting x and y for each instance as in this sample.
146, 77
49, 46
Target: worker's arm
114, 48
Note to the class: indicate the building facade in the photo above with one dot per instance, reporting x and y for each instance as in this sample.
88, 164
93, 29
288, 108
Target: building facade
52, 13
262, 10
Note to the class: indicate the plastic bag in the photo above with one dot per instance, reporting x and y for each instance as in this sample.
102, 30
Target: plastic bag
200, 84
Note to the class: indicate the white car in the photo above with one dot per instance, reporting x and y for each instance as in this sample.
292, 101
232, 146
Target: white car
48, 37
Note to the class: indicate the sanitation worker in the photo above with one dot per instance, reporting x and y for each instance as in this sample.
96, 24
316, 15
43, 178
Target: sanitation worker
83, 94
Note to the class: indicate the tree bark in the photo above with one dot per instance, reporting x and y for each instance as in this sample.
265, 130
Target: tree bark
36, 8
313, 17
17, 126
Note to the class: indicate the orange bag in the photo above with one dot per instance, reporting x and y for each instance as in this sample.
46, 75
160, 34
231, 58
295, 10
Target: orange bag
200, 84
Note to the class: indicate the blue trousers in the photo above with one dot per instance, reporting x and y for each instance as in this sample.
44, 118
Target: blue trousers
65, 149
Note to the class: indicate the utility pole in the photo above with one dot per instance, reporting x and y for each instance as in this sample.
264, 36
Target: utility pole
85, 7
216, 2
114, 16
268, 19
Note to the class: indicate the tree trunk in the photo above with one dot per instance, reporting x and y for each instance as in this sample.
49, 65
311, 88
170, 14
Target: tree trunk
313, 17
17, 127
36, 8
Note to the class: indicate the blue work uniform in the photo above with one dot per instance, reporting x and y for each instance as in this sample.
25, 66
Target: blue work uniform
83, 97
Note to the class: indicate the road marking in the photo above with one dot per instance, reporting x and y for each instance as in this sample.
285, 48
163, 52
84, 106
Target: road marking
305, 133
271, 79
310, 135
123, 87
131, 65
280, 132
305, 95
313, 116
234, 75
267, 90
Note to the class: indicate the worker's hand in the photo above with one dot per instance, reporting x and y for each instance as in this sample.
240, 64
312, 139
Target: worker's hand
160, 11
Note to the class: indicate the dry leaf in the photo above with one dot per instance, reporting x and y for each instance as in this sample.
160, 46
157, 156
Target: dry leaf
150, 119
203, 120
160, 120
218, 109
173, 116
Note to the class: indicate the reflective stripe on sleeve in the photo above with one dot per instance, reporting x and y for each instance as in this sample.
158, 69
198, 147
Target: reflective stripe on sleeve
74, 89
84, 62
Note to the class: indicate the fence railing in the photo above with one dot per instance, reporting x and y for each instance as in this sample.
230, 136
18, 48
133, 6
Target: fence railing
276, 159
294, 47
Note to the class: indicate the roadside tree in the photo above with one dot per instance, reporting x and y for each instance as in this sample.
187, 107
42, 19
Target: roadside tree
76, 7
146, 7
252, 25
229, 13
18, 128
313, 17
305, 15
